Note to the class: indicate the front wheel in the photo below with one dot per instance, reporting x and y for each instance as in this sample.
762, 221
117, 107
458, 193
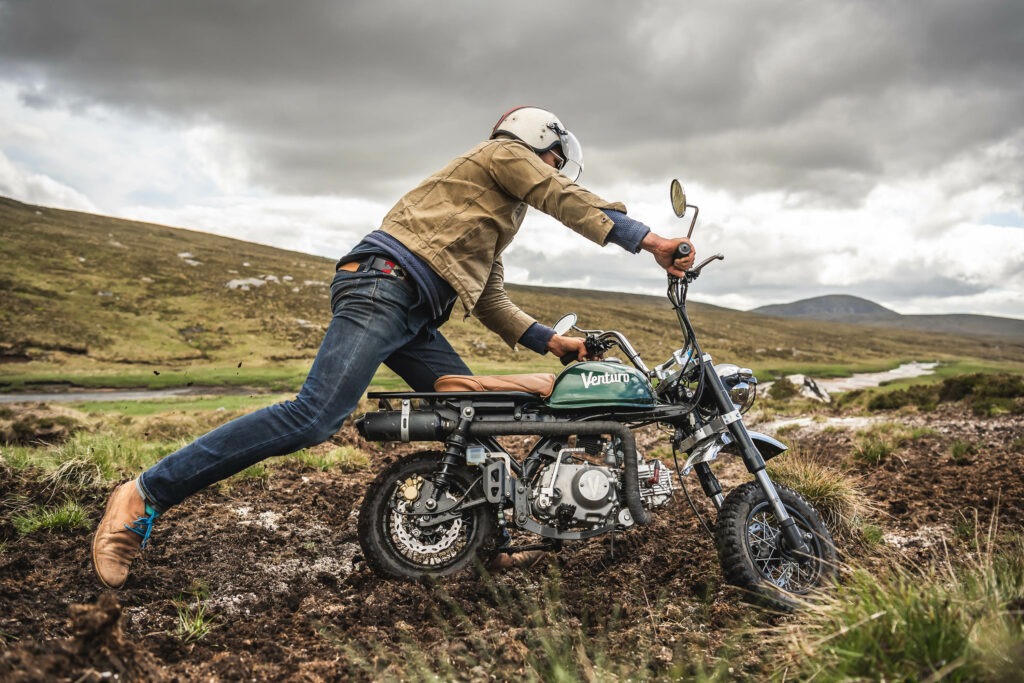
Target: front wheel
400, 541
753, 553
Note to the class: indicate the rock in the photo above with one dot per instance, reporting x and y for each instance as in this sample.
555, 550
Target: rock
809, 388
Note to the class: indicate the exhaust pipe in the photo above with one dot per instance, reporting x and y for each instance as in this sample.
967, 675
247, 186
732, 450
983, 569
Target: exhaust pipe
396, 425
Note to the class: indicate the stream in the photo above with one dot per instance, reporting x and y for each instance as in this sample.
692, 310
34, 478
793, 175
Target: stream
873, 379
113, 395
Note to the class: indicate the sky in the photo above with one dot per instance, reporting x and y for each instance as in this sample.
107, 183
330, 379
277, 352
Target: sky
871, 147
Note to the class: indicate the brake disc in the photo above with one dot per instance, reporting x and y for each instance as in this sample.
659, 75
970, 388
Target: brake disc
416, 540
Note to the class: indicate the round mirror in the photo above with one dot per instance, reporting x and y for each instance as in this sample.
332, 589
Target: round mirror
678, 197
565, 323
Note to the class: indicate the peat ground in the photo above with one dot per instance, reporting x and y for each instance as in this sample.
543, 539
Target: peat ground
275, 565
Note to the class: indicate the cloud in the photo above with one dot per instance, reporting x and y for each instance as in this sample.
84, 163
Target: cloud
885, 249
352, 98
326, 226
872, 148
35, 188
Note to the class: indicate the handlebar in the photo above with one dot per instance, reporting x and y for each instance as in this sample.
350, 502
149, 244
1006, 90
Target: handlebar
598, 342
716, 257
594, 344
683, 250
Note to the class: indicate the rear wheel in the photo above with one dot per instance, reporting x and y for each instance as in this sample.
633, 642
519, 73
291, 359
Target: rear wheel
753, 552
401, 541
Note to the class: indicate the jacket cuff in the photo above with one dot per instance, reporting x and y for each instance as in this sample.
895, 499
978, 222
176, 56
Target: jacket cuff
536, 338
626, 232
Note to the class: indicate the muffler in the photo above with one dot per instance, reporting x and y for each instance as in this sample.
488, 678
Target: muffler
404, 425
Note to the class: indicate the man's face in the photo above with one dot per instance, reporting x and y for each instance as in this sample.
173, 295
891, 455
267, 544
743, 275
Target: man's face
553, 158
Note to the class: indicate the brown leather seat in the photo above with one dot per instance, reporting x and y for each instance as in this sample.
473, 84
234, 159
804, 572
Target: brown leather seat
539, 383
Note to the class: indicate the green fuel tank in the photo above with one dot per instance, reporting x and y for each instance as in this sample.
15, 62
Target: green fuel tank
598, 384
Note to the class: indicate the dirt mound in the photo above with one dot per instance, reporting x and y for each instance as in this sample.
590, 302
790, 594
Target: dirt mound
37, 423
96, 651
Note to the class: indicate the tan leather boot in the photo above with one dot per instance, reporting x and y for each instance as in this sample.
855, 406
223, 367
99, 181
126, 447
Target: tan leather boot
121, 534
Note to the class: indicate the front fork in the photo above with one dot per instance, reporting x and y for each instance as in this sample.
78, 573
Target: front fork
752, 457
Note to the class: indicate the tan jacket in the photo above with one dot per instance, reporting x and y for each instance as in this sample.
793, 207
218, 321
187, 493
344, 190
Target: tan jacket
460, 220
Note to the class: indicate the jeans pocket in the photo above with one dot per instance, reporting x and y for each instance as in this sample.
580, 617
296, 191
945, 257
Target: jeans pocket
375, 286
347, 283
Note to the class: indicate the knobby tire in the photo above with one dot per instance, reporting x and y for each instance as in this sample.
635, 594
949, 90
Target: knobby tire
739, 537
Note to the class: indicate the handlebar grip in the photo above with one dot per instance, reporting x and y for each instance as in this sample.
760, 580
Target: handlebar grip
683, 250
568, 358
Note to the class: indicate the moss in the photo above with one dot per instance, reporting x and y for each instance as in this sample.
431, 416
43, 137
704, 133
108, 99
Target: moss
783, 389
35, 429
986, 394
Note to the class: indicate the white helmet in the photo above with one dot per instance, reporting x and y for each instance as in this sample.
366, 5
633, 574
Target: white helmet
542, 130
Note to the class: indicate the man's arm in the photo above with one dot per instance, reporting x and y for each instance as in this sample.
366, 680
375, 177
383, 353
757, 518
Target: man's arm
498, 314
520, 172
523, 175
632, 235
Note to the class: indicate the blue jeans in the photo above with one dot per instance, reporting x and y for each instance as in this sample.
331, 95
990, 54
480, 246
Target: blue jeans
377, 319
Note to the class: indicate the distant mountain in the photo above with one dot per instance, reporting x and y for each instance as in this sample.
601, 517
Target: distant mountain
830, 307
843, 308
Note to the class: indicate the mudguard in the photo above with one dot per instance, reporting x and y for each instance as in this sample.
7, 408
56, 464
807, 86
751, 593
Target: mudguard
708, 449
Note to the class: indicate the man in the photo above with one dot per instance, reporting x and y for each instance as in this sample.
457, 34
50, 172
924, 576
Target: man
441, 243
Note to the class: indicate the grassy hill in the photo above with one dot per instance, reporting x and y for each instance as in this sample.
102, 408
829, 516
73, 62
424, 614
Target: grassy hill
101, 301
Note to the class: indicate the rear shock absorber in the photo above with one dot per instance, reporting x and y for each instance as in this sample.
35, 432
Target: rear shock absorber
455, 446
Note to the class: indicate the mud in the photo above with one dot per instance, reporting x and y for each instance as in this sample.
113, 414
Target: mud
277, 565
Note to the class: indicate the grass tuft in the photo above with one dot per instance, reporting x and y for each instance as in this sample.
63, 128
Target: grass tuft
873, 450
194, 622
88, 459
70, 516
75, 474
783, 389
955, 622
834, 494
876, 444
960, 452
347, 459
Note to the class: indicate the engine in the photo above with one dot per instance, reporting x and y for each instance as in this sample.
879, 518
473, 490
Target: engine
655, 484
573, 493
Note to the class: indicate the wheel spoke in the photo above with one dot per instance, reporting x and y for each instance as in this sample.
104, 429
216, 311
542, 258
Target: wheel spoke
764, 539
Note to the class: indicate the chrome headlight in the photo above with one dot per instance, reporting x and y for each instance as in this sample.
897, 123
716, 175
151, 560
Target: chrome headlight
740, 383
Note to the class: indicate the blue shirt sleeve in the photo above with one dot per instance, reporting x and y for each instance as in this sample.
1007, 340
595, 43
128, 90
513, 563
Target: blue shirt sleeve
536, 338
627, 232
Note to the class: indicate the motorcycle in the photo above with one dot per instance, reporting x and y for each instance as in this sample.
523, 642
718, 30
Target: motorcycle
435, 512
